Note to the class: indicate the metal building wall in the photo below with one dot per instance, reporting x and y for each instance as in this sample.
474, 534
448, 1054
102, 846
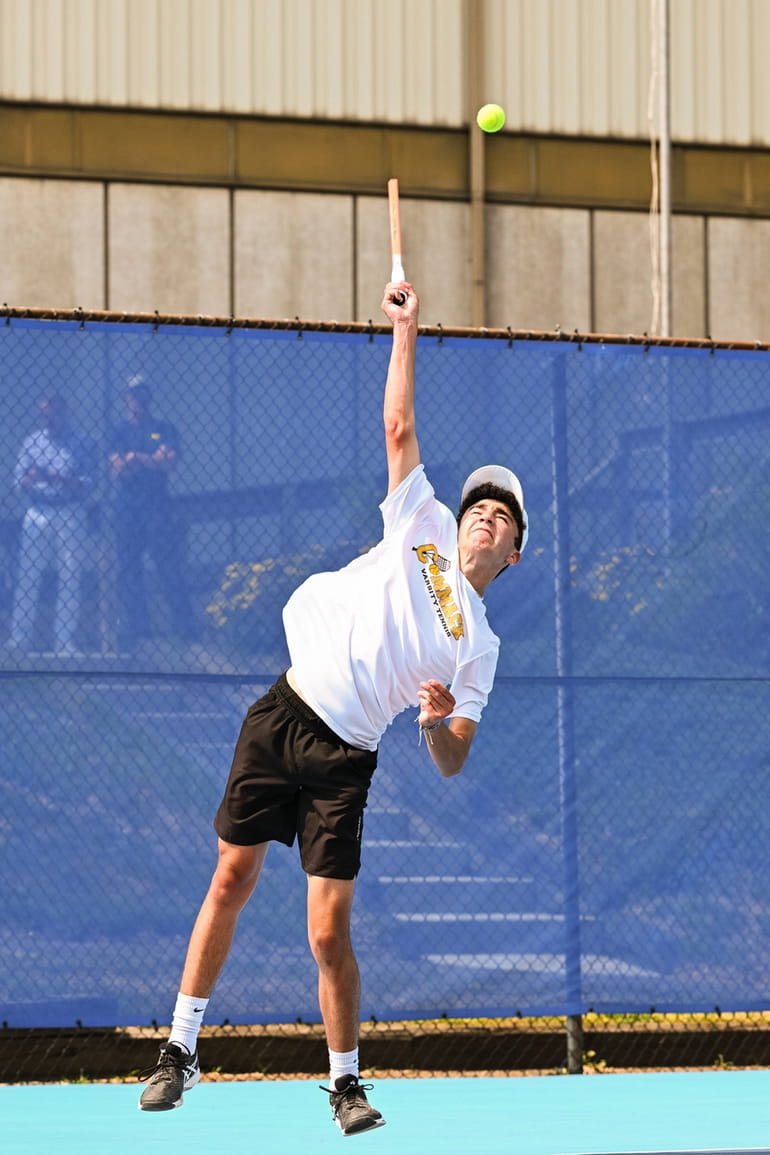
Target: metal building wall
332, 59
582, 67
577, 67
720, 88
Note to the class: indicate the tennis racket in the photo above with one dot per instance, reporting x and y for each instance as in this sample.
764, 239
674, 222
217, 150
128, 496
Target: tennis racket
397, 268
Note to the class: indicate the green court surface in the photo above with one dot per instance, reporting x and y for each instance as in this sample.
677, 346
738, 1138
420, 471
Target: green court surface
694, 1112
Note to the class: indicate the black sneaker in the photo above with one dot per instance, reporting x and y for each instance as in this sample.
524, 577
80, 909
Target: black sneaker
351, 1110
175, 1072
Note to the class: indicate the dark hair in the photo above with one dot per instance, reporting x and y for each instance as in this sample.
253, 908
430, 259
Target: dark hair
490, 492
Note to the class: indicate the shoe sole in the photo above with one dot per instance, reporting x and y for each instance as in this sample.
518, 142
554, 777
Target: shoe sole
156, 1107
361, 1130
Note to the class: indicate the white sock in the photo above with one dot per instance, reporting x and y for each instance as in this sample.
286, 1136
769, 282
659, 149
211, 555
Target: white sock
187, 1020
342, 1063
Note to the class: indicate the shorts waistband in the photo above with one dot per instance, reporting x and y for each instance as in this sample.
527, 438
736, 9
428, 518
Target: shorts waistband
303, 713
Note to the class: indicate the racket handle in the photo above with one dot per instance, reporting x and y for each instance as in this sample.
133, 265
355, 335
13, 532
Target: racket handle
397, 269
397, 274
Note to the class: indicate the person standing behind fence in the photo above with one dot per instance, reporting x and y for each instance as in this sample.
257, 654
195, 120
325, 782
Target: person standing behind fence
143, 452
56, 470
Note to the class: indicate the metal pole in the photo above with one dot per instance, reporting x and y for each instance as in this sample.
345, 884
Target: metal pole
474, 38
664, 57
566, 719
664, 130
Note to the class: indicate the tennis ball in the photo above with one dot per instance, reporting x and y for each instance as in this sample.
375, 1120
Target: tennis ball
491, 118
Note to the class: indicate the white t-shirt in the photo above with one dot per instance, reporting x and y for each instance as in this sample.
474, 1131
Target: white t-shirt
70, 455
362, 638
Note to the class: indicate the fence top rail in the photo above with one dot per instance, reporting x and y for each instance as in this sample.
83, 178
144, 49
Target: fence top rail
366, 328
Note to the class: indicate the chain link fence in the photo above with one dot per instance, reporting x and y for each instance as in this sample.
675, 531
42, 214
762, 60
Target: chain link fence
591, 893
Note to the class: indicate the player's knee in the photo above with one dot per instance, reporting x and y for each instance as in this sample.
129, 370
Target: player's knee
330, 947
232, 883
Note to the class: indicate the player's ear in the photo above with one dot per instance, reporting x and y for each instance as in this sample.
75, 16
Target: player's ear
513, 558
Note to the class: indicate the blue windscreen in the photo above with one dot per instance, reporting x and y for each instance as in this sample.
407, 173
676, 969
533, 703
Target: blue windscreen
606, 844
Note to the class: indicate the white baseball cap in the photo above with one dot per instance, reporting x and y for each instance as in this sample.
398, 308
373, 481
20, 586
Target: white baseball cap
502, 478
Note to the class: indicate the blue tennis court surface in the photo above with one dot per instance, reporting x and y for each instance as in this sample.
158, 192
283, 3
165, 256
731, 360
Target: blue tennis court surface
664, 1113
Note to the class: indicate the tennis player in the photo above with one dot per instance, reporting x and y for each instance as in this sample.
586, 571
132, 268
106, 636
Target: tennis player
403, 625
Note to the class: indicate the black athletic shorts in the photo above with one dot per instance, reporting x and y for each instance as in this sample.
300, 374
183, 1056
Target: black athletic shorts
292, 777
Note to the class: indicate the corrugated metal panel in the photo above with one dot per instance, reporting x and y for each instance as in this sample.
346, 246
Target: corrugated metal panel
721, 83
570, 66
399, 61
579, 67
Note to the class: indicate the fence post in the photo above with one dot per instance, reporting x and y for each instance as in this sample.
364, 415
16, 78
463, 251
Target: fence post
574, 1044
566, 717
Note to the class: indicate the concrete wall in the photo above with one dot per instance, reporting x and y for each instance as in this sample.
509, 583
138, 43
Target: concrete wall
53, 247
539, 268
139, 247
622, 280
739, 260
167, 248
293, 255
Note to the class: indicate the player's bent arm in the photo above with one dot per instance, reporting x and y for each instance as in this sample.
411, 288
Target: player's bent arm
449, 745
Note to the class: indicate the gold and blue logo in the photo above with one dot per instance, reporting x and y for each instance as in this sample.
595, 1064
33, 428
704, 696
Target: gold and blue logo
434, 566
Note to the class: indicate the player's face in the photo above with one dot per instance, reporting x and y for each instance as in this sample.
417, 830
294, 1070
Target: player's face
489, 527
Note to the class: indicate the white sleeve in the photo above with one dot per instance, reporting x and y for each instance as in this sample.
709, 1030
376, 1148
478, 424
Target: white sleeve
406, 499
472, 685
25, 461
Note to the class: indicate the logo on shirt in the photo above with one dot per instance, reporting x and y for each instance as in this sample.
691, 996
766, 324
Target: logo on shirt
434, 566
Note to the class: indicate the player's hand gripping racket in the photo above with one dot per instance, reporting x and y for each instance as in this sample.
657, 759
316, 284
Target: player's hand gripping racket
397, 269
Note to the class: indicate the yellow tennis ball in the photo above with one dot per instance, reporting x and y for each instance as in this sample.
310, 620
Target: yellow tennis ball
491, 118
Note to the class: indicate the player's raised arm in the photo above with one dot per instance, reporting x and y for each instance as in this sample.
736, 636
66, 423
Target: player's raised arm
402, 449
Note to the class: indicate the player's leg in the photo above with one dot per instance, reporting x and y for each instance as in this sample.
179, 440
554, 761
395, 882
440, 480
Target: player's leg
71, 553
130, 544
236, 874
339, 989
166, 546
34, 555
329, 902
330, 823
233, 881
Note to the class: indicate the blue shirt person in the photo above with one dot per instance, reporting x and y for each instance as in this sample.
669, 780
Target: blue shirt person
143, 452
